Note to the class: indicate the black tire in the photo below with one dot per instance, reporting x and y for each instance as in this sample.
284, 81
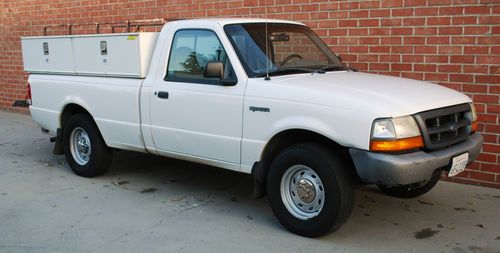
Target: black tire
90, 162
412, 190
337, 183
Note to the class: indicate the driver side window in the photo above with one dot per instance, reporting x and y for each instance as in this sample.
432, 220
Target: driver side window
191, 51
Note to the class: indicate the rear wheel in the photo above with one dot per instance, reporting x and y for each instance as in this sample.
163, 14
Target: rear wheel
309, 190
412, 190
84, 148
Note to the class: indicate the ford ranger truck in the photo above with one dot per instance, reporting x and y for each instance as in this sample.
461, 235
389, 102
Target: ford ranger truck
263, 97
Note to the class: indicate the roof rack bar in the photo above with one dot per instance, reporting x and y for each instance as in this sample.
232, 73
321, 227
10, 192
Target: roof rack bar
128, 24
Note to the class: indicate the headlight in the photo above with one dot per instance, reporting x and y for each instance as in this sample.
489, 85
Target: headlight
395, 134
383, 129
474, 118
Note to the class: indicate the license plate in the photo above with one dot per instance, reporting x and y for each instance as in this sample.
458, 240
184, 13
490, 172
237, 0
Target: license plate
458, 164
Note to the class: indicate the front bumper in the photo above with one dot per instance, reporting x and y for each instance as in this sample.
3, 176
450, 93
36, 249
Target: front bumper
393, 170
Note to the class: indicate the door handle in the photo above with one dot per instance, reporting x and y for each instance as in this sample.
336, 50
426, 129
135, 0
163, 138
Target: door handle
162, 94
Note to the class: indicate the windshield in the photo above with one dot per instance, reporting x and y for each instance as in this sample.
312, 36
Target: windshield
291, 49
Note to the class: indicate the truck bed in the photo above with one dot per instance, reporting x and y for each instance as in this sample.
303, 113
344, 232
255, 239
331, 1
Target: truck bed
119, 123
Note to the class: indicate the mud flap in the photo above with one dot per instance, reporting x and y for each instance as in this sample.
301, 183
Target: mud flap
21, 103
58, 147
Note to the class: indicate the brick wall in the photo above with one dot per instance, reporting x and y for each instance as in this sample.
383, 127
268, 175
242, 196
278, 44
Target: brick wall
451, 42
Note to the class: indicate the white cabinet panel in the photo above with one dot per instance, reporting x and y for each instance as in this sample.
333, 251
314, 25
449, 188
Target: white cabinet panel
119, 55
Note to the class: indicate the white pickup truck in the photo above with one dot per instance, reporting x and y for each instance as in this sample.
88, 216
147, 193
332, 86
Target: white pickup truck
265, 97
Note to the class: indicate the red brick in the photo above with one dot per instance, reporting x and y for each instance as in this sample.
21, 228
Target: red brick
402, 12
425, 67
369, 22
413, 75
490, 59
391, 22
380, 49
462, 59
408, 3
369, 4
390, 58
426, 11
487, 158
493, 168
493, 109
426, 31
436, 77
487, 118
464, 20
477, 30
391, 40
368, 58
492, 129
489, 79
476, 50
488, 99
378, 66
488, 20
494, 89
426, 49
461, 78
380, 13
451, 30
438, 40
450, 10
489, 138
482, 176
464, 40
477, 9
449, 50
475, 88
391, 3
488, 40
438, 20
413, 21
369, 41
400, 67
450, 68
413, 58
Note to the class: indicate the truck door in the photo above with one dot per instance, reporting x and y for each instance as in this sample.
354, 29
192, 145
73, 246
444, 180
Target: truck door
193, 115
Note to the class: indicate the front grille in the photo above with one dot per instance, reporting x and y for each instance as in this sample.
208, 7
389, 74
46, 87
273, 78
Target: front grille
445, 126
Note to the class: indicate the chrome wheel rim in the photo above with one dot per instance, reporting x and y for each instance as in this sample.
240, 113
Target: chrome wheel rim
80, 146
302, 192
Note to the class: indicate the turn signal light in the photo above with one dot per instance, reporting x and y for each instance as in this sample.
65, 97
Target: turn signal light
397, 145
473, 127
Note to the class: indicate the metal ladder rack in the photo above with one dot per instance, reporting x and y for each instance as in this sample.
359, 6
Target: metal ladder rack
128, 24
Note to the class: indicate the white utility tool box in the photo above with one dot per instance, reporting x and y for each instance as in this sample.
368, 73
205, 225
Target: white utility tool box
117, 54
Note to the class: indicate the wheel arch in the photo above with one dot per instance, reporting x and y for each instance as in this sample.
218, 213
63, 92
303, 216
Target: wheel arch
69, 110
287, 138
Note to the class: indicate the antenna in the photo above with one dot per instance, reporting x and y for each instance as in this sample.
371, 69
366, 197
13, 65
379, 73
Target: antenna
267, 50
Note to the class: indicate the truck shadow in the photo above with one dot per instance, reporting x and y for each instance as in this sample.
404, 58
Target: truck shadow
185, 186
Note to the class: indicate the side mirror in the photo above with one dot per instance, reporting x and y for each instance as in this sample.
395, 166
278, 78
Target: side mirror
215, 69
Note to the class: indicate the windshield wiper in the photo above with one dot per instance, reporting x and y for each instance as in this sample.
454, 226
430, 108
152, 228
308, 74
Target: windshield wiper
336, 67
293, 69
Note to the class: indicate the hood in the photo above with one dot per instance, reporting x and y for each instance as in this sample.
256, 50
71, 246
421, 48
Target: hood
386, 95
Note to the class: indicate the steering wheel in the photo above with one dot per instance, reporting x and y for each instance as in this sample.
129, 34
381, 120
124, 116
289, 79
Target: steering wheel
288, 58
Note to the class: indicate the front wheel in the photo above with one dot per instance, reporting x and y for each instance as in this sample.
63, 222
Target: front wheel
310, 190
84, 148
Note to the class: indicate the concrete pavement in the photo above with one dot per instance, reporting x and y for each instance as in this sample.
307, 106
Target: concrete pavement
153, 204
